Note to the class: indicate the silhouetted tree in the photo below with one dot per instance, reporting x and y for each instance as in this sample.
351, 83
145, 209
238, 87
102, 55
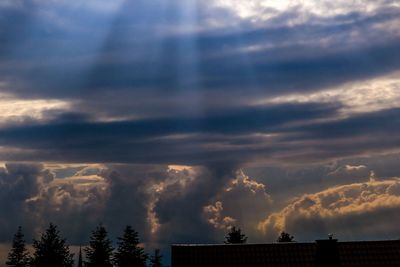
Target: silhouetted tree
129, 253
156, 259
80, 261
235, 236
51, 250
99, 251
285, 237
18, 256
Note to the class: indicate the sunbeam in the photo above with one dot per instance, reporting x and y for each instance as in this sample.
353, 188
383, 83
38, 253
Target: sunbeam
186, 118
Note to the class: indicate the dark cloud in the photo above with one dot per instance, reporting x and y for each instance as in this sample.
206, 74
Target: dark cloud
152, 139
280, 132
32, 196
123, 54
140, 195
181, 205
372, 124
192, 204
164, 205
143, 84
242, 203
10, 37
19, 183
129, 197
188, 140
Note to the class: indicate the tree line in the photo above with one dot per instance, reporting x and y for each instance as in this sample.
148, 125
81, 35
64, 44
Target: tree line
235, 236
51, 250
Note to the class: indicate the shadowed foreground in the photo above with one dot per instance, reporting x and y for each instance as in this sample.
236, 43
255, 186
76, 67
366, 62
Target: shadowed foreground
322, 253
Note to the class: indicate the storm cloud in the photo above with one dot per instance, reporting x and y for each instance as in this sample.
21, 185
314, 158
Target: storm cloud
184, 118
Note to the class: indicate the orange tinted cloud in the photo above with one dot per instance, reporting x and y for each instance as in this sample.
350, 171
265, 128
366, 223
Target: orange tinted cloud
354, 204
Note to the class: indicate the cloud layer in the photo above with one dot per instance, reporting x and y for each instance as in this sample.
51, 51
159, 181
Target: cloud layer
139, 76
182, 204
184, 118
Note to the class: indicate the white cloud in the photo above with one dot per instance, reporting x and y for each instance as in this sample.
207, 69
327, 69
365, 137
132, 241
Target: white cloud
351, 211
14, 109
369, 95
266, 9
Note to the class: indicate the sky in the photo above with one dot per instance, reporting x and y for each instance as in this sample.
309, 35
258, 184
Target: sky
183, 118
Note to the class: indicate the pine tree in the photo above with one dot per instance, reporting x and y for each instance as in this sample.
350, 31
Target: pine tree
285, 237
18, 256
129, 253
156, 259
235, 236
51, 250
99, 251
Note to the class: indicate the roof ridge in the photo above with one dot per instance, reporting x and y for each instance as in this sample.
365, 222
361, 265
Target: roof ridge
283, 243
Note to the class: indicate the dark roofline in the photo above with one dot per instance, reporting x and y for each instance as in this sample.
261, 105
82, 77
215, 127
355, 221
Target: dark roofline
245, 244
370, 241
280, 243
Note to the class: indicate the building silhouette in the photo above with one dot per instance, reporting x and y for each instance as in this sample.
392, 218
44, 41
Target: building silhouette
321, 253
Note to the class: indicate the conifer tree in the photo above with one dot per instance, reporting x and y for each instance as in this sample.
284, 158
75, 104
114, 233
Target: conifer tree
99, 251
285, 237
18, 256
129, 253
51, 250
235, 236
156, 259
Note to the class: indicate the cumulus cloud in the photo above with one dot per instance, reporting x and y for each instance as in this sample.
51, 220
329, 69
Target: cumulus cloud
179, 205
154, 199
18, 183
75, 203
213, 212
175, 203
164, 203
176, 181
354, 211
242, 202
133, 196
32, 196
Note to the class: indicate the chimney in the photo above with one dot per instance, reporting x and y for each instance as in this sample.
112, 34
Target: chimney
327, 253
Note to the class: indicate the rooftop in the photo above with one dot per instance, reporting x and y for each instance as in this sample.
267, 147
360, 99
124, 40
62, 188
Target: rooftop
350, 254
